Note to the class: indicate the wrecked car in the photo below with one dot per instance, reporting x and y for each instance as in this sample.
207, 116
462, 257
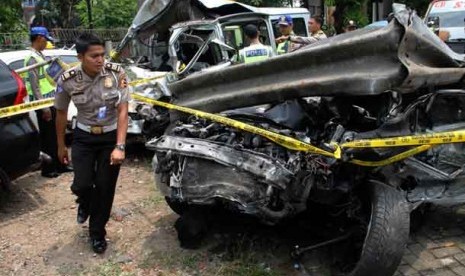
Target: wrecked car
180, 38
376, 120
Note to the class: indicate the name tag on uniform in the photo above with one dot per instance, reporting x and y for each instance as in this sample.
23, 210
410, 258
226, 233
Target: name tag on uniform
102, 113
256, 53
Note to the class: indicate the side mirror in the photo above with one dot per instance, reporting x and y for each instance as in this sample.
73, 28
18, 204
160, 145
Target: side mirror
433, 23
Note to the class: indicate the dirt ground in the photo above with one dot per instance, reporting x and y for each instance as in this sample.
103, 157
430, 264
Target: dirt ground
39, 236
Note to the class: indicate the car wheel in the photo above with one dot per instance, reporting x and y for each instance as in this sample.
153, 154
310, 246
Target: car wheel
385, 234
4, 181
178, 207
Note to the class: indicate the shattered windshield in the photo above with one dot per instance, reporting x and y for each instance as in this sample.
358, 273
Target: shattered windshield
450, 19
149, 10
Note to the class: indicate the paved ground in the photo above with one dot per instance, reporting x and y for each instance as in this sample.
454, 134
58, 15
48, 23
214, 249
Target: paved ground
39, 236
438, 246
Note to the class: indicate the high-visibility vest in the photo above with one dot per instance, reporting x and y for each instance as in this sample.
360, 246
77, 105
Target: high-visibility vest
46, 88
255, 53
283, 47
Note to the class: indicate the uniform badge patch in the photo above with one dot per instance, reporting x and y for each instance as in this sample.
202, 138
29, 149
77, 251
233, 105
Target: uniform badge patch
123, 83
108, 83
59, 89
102, 113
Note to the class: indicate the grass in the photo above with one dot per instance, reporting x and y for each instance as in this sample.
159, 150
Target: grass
239, 257
107, 269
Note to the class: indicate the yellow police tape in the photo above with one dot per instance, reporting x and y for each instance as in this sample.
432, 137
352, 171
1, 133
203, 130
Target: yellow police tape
35, 105
146, 80
285, 141
25, 107
457, 136
423, 141
392, 159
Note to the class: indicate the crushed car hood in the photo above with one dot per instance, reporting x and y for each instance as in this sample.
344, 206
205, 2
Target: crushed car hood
403, 56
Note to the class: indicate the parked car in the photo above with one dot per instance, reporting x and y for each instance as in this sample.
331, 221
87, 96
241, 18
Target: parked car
19, 138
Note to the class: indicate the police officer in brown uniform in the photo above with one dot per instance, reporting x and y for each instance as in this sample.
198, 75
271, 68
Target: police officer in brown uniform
100, 92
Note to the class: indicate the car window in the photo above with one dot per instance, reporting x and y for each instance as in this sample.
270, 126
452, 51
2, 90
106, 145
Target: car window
5, 73
69, 59
8, 86
17, 64
300, 27
449, 19
234, 34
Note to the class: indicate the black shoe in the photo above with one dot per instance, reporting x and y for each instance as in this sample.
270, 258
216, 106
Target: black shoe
82, 214
65, 169
99, 245
51, 174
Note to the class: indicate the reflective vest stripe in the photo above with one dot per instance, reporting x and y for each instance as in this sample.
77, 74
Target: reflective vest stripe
283, 48
254, 55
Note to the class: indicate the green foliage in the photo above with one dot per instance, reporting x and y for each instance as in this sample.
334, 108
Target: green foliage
108, 13
355, 12
9, 20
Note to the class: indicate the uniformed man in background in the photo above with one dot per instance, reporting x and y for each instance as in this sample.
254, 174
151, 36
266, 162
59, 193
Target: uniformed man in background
286, 28
100, 92
316, 34
38, 88
256, 51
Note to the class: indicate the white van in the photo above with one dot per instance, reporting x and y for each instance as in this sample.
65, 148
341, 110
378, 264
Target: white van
448, 16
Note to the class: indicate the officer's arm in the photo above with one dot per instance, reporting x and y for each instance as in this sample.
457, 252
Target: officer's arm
33, 75
303, 40
122, 123
61, 121
123, 109
62, 100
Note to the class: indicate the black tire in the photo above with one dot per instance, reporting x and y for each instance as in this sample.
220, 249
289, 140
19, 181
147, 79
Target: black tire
5, 182
387, 232
178, 207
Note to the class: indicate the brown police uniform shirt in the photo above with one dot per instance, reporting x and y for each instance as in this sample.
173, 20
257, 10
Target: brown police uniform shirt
96, 99
303, 41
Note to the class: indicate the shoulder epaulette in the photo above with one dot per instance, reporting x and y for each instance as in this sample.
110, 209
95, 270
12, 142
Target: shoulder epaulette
68, 75
113, 66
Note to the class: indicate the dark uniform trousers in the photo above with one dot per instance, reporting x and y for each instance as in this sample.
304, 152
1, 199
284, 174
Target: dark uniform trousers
48, 141
94, 178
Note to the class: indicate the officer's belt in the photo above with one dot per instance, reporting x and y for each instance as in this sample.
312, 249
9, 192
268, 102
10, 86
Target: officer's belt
97, 129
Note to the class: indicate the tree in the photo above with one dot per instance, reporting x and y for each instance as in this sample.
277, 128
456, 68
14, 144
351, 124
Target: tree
108, 13
56, 13
9, 21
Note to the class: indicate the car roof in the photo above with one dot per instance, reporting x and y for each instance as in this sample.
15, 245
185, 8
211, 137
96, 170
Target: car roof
12, 56
282, 11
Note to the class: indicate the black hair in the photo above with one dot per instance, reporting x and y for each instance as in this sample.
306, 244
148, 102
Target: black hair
251, 31
318, 19
34, 37
85, 40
